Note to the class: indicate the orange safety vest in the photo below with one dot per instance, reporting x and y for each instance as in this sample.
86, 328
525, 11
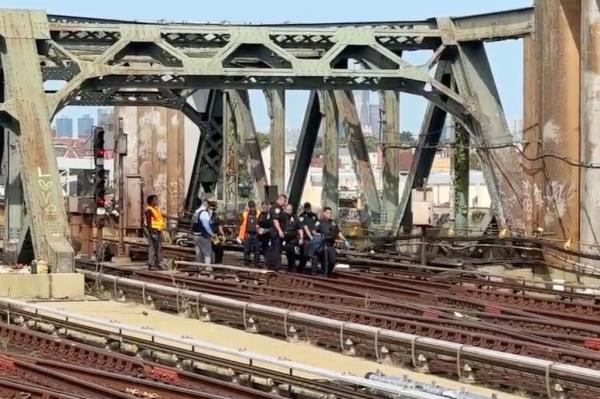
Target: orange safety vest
244, 223
157, 222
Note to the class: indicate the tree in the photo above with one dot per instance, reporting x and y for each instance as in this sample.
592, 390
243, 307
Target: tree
407, 138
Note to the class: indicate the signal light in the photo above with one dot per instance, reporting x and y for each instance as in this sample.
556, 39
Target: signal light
100, 176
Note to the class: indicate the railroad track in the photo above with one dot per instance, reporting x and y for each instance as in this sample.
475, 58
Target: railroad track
45, 361
412, 311
280, 321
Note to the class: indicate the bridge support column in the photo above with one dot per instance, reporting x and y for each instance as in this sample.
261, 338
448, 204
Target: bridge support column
390, 111
305, 150
358, 151
28, 108
240, 105
276, 107
330, 194
230, 160
460, 179
590, 126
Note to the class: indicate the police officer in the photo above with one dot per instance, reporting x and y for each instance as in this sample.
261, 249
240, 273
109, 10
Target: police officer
277, 217
330, 231
264, 229
248, 233
307, 220
293, 237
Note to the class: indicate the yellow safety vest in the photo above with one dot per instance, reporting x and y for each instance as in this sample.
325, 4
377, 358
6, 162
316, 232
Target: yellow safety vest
158, 222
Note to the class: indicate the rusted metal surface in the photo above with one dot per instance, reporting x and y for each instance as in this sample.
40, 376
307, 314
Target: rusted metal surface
28, 114
427, 321
590, 126
358, 151
155, 152
558, 39
389, 103
330, 129
276, 109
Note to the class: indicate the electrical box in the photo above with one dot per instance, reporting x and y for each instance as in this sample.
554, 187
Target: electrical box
84, 205
422, 206
121, 144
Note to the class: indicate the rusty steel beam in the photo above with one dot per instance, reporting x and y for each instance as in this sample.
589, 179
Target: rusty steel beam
489, 131
331, 131
461, 179
559, 115
27, 106
276, 108
389, 103
590, 127
305, 149
422, 161
359, 153
248, 137
231, 153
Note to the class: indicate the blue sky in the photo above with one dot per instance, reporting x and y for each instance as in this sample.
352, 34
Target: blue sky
506, 57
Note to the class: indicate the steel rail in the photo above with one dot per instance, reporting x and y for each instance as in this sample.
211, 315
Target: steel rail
195, 344
543, 368
321, 385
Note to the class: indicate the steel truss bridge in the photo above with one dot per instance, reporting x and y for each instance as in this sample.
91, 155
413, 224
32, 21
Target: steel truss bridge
205, 70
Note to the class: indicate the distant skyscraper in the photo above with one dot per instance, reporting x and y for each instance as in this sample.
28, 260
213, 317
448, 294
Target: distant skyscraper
84, 126
106, 119
64, 127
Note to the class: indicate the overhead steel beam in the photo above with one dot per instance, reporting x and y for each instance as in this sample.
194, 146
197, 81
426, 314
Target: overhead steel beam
358, 151
305, 149
427, 142
276, 108
331, 133
389, 103
240, 104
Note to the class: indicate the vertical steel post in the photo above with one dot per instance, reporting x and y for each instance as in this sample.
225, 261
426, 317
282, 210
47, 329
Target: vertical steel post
390, 110
357, 147
276, 108
460, 179
330, 194
28, 106
230, 160
304, 152
590, 126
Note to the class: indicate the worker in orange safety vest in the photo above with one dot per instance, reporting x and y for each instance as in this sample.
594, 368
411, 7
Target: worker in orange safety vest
248, 234
155, 224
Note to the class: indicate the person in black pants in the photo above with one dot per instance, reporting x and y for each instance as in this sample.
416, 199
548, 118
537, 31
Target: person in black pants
219, 239
330, 231
264, 228
248, 234
293, 237
277, 217
307, 220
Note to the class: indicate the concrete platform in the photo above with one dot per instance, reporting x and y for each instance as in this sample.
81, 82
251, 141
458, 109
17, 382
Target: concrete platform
42, 286
141, 316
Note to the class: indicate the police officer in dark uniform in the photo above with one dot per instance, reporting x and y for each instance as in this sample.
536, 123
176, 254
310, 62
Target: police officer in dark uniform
264, 229
218, 240
293, 237
307, 220
330, 231
277, 217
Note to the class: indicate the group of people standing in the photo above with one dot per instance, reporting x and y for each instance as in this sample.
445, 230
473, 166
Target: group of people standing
268, 232
277, 229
